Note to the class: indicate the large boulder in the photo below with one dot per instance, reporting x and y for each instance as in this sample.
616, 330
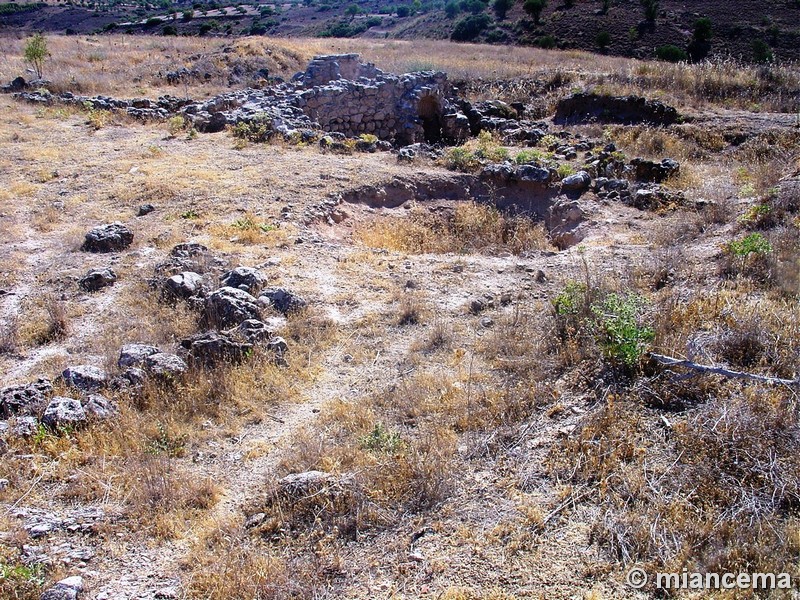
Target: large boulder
653, 172
85, 377
97, 279
282, 300
134, 355
112, 237
229, 306
587, 108
29, 398
63, 412
252, 331
244, 278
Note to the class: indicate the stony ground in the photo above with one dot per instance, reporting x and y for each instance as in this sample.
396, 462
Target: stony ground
505, 528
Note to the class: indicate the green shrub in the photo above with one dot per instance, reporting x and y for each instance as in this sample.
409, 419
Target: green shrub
534, 8
152, 22
35, 53
188, 15
259, 130
382, 440
403, 11
546, 41
671, 53
452, 8
501, 8
603, 40
762, 53
619, 330
175, 125
651, 8
468, 28
475, 7
169, 30
753, 244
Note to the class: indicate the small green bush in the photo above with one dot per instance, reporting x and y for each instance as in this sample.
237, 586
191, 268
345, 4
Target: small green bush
671, 53
619, 330
36, 53
752, 244
259, 130
534, 8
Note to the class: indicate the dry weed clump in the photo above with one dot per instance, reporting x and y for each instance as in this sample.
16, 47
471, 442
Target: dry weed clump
469, 227
226, 563
49, 321
690, 490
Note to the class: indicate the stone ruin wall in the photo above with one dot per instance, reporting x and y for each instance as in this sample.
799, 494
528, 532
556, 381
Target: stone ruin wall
352, 98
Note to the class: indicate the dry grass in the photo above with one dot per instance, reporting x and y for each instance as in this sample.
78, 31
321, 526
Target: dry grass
470, 227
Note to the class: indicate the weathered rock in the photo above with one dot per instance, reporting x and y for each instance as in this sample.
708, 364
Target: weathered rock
113, 237
213, 347
297, 486
533, 175
649, 171
30, 398
25, 426
251, 330
134, 355
165, 366
564, 219
145, 209
578, 182
244, 278
99, 407
97, 279
282, 300
85, 377
582, 108
184, 286
66, 589
15, 85
230, 306
63, 412
278, 345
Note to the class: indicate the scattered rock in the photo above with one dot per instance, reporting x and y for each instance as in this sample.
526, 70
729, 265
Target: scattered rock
300, 485
66, 589
649, 171
30, 398
577, 182
165, 366
97, 279
282, 300
184, 286
244, 278
134, 355
145, 209
113, 237
85, 377
63, 412
252, 330
213, 347
99, 407
15, 85
229, 306
25, 426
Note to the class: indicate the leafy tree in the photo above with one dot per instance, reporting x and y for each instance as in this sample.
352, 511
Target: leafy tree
534, 8
403, 11
702, 30
651, 8
700, 44
468, 28
762, 53
352, 10
36, 53
473, 6
501, 7
451, 9
603, 40
188, 15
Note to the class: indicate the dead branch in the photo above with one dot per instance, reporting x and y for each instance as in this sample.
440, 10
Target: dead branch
687, 364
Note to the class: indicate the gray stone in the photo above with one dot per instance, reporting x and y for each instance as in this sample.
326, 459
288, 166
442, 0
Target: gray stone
66, 589
97, 279
282, 300
213, 347
165, 366
99, 407
252, 330
63, 412
244, 278
184, 285
85, 377
112, 237
25, 426
133, 355
577, 182
30, 398
229, 306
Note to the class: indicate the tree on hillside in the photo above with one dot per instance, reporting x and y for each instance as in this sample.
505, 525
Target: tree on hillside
650, 9
501, 7
700, 44
36, 53
534, 8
